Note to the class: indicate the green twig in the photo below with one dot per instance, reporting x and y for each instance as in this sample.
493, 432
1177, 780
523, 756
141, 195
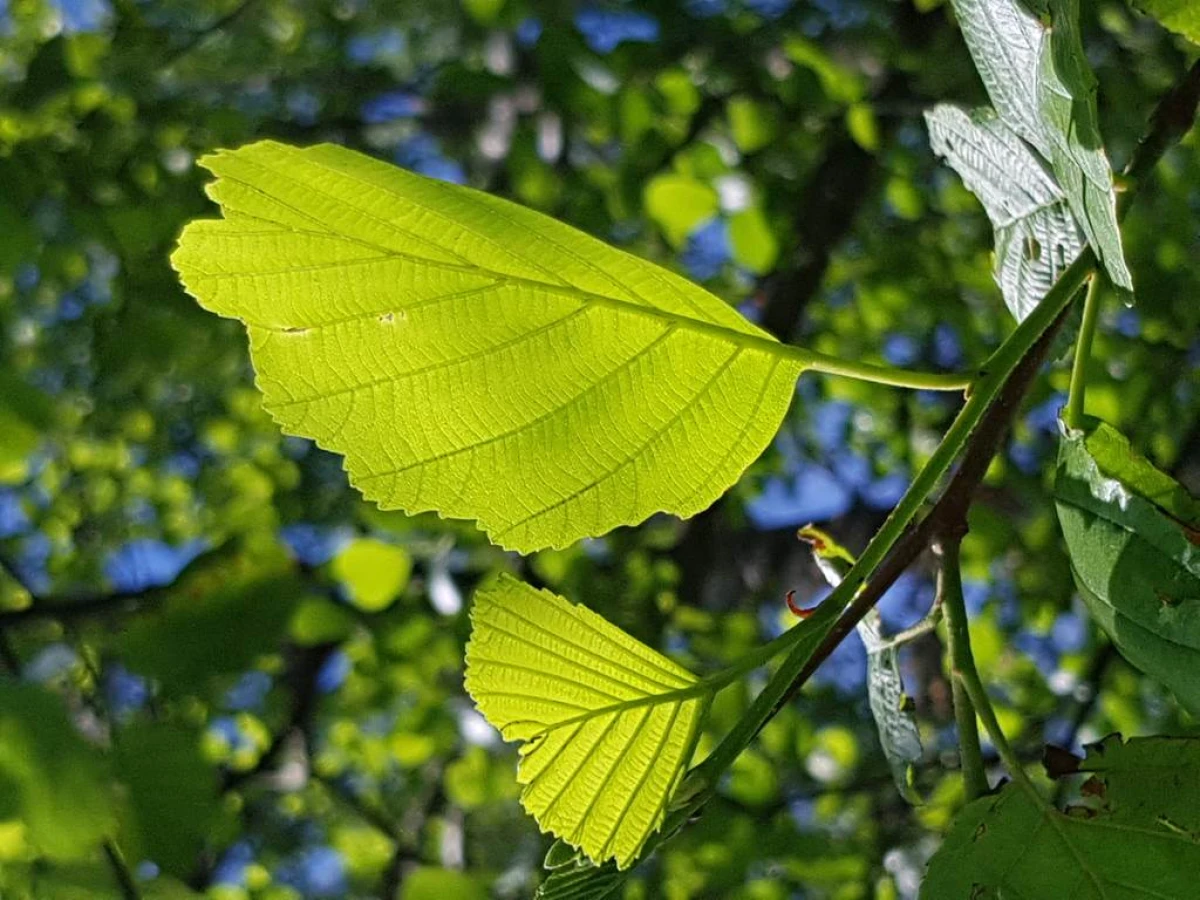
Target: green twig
1083, 353
116, 861
968, 676
958, 649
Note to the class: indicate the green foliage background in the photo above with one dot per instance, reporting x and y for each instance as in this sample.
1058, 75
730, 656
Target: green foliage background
132, 439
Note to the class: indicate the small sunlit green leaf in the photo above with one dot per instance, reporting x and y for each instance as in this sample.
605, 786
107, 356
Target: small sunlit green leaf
1181, 16
1137, 837
839, 83
753, 125
753, 242
374, 572
863, 127
51, 780
474, 357
607, 725
1135, 558
678, 203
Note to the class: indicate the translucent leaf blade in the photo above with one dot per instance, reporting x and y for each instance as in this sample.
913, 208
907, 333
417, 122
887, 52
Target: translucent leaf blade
895, 723
473, 357
1036, 234
609, 725
1040, 83
1006, 45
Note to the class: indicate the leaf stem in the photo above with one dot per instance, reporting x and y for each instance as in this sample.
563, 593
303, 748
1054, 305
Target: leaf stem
958, 649
1083, 353
876, 374
968, 677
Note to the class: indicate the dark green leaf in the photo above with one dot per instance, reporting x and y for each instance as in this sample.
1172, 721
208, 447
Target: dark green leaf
214, 623
1136, 838
1137, 565
172, 795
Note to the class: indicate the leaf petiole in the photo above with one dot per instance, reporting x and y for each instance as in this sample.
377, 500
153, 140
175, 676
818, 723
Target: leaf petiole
1083, 353
876, 374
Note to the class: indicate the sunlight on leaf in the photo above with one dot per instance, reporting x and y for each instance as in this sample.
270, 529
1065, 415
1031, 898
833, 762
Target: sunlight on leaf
1131, 533
608, 725
1036, 235
1043, 89
473, 357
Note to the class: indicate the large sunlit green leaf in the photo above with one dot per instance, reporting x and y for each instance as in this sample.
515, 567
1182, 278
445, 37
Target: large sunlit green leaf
1132, 535
471, 356
1138, 837
1040, 83
608, 726
51, 781
1036, 234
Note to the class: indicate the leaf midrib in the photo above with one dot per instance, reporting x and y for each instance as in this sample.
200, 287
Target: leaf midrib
742, 339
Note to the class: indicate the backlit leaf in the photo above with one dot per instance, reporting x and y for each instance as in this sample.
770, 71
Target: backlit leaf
678, 204
1044, 91
1138, 836
1131, 533
474, 357
1036, 235
582, 880
607, 725
891, 708
895, 722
